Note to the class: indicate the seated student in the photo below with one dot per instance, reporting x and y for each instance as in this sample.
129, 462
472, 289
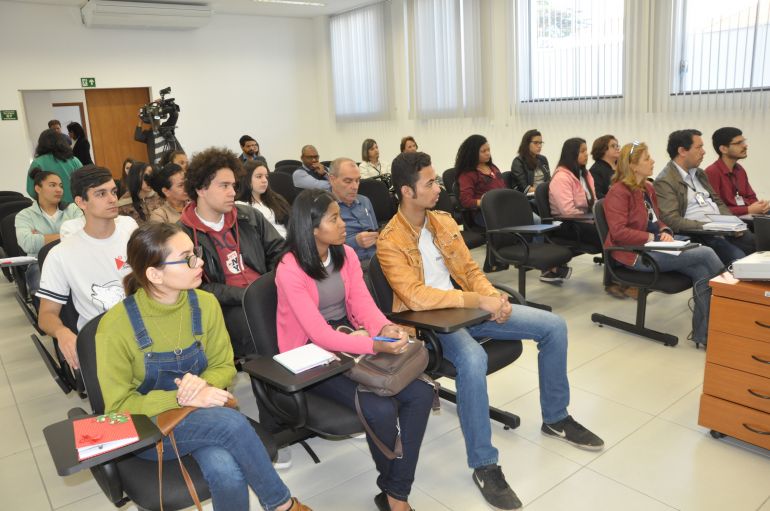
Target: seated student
254, 192
90, 264
39, 224
168, 183
54, 154
728, 177
633, 218
422, 254
321, 287
178, 157
371, 166
191, 365
250, 151
408, 145
572, 191
475, 174
361, 227
312, 173
530, 168
686, 197
238, 244
605, 152
140, 200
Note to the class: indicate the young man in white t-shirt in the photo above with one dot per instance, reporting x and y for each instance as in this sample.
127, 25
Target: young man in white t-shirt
90, 263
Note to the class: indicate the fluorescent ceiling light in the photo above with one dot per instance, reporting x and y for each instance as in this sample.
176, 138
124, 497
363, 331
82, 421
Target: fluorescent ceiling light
291, 2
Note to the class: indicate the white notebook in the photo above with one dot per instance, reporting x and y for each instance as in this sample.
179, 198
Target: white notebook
304, 358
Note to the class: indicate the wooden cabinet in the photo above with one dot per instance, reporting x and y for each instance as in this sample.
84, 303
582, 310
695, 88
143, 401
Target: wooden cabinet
736, 384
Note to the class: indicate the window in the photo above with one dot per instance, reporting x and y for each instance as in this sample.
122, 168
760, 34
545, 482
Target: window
446, 58
358, 57
570, 49
721, 46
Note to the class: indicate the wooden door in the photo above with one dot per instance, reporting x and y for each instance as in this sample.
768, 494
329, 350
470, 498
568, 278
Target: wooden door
113, 115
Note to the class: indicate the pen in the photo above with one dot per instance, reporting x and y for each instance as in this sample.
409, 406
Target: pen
389, 339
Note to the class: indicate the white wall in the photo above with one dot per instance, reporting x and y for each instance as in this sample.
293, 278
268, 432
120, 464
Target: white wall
38, 108
237, 75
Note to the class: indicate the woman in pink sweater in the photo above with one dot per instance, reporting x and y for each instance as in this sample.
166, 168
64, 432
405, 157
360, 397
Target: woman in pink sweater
320, 289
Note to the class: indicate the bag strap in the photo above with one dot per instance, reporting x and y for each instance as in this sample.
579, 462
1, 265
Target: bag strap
398, 450
185, 475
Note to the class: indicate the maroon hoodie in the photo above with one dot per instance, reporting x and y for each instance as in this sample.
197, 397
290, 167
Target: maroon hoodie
227, 243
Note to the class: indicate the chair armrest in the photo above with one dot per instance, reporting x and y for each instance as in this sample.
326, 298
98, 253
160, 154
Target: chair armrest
639, 249
267, 370
443, 321
514, 296
574, 218
704, 233
524, 229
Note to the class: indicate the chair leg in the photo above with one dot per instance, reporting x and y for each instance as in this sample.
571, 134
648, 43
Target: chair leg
507, 419
310, 451
637, 328
51, 365
523, 289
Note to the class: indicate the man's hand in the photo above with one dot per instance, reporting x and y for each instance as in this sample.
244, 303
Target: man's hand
366, 239
189, 387
319, 168
209, 397
664, 236
68, 345
493, 305
759, 208
505, 310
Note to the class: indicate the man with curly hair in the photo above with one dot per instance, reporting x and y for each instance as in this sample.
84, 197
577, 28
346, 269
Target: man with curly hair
237, 243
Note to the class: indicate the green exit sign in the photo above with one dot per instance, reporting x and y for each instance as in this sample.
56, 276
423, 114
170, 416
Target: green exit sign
9, 115
88, 82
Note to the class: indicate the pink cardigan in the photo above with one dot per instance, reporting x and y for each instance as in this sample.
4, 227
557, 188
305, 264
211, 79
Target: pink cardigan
566, 195
298, 318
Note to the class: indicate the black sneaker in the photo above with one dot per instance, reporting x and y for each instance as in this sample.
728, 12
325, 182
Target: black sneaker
491, 482
551, 277
571, 431
381, 501
564, 272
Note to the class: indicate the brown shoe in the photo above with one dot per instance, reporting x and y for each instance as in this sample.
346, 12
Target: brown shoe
631, 292
615, 290
298, 506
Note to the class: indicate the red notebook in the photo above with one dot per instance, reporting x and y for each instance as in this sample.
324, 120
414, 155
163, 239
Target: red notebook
103, 433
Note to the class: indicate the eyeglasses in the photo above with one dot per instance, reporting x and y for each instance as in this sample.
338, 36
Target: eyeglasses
191, 260
634, 145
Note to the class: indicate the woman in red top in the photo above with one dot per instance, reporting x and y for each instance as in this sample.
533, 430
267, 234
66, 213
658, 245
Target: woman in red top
631, 208
476, 174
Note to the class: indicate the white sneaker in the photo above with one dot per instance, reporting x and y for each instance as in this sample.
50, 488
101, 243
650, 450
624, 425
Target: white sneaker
283, 460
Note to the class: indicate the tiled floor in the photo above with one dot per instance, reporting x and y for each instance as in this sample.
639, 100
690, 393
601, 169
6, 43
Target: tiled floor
640, 396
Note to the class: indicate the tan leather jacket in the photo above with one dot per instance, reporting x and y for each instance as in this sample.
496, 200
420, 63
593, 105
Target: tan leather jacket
401, 261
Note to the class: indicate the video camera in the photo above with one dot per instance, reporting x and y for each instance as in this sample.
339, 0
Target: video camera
159, 109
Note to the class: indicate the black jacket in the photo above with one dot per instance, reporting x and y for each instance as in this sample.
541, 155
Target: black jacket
522, 177
261, 247
82, 151
602, 174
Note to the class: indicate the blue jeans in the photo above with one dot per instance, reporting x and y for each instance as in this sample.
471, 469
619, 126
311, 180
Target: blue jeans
407, 411
700, 264
728, 249
462, 349
230, 456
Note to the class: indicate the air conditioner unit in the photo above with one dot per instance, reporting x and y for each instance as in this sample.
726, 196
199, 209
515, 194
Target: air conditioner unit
152, 15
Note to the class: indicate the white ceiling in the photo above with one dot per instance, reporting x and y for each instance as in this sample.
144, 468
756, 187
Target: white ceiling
247, 7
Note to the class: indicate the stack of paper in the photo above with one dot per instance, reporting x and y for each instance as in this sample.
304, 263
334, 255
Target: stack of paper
304, 358
667, 244
728, 223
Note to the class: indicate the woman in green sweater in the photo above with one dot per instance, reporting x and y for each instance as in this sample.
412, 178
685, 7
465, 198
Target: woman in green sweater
166, 346
54, 154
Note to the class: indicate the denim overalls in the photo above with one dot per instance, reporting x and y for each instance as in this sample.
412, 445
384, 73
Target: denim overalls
160, 369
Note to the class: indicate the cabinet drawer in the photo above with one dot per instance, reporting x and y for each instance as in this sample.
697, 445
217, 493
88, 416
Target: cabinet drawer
735, 420
739, 353
737, 386
740, 318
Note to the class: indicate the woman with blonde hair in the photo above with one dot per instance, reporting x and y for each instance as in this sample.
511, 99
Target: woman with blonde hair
633, 219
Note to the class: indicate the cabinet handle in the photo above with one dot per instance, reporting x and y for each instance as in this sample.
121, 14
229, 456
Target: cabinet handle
759, 323
761, 360
757, 394
757, 431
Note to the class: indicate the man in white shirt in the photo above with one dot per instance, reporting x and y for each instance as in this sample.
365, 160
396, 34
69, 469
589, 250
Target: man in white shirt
89, 264
685, 197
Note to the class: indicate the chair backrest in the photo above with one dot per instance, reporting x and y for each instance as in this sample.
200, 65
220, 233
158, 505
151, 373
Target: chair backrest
507, 179
542, 200
282, 184
382, 201
69, 314
10, 193
285, 169
285, 163
444, 202
328, 163
762, 232
448, 177
379, 286
8, 234
505, 208
260, 303
13, 207
600, 219
86, 346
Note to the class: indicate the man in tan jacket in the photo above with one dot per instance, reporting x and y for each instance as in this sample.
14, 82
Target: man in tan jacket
421, 252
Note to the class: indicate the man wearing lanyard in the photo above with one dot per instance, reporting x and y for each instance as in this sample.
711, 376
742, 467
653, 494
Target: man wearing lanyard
728, 177
685, 197
356, 210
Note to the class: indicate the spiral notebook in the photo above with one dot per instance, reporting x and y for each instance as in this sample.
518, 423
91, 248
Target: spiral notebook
304, 358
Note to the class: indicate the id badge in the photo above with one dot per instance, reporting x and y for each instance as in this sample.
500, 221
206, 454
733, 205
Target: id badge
699, 199
739, 200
